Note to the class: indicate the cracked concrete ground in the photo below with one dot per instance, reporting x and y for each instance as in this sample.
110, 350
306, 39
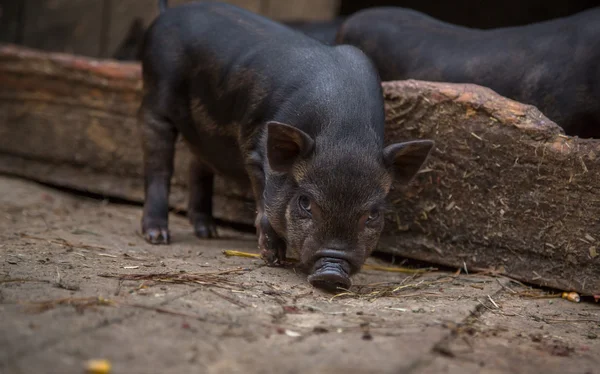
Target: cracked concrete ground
255, 319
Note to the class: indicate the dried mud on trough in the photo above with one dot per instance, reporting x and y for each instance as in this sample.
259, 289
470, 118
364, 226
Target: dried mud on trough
505, 194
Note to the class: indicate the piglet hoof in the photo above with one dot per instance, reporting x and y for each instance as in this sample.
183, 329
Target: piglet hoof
272, 249
205, 228
157, 235
269, 256
273, 257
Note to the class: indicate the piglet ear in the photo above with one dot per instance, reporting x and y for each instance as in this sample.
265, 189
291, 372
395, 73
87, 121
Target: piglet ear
405, 159
286, 145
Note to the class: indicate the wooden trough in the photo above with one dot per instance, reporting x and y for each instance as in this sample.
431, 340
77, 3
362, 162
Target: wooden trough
504, 190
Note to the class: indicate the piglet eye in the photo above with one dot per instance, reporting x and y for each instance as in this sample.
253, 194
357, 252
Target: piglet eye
373, 215
304, 203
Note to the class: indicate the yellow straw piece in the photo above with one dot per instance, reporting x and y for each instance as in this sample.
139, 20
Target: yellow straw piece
395, 269
229, 253
365, 266
98, 367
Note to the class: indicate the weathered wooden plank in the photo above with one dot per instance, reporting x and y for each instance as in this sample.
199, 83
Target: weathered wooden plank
97, 105
504, 188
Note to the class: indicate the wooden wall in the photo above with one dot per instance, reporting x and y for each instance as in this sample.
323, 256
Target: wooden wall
96, 27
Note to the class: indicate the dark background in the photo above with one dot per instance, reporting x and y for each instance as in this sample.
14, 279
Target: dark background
96, 27
482, 14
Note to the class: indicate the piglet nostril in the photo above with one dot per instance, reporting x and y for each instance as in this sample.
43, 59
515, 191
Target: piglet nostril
330, 274
331, 256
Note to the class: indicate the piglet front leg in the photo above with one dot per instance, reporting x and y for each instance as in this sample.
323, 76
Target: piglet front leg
272, 247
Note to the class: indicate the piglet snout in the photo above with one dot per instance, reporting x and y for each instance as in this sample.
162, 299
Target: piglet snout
330, 274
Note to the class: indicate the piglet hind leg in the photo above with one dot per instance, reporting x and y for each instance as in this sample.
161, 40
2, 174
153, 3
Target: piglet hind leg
200, 200
158, 143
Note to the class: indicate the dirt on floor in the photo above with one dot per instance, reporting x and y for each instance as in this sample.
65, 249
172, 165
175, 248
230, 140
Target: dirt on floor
78, 283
